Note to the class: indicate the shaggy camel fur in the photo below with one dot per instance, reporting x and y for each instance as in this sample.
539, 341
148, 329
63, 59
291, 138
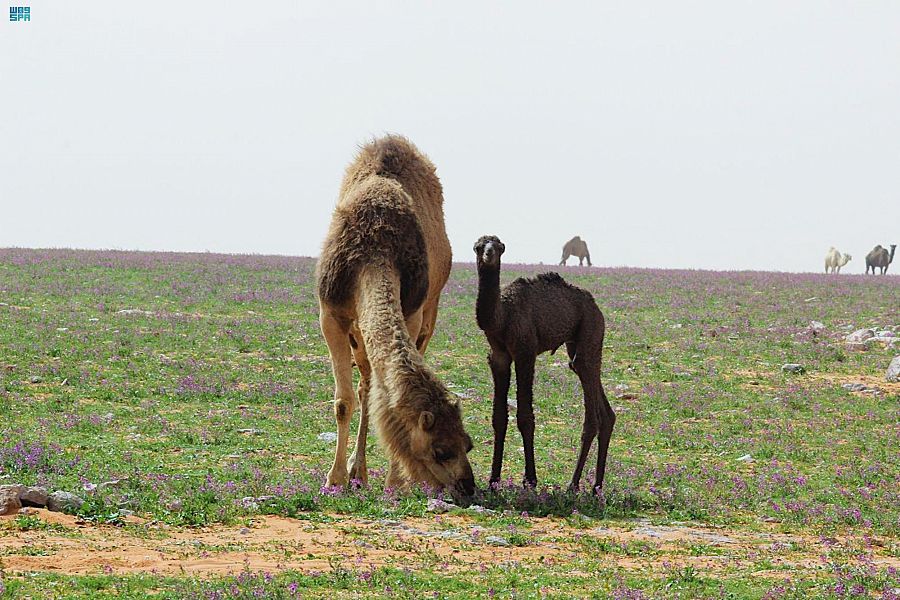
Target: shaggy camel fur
834, 260
529, 317
576, 247
383, 264
880, 258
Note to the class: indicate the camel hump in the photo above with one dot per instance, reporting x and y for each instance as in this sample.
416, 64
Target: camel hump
377, 223
551, 278
395, 156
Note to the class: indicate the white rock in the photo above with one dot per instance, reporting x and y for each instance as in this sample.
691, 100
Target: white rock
328, 436
860, 335
893, 372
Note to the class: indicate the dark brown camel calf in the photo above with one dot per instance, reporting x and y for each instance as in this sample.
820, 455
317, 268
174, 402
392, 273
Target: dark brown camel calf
529, 317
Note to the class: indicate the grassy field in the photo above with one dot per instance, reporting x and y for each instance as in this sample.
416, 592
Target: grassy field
184, 397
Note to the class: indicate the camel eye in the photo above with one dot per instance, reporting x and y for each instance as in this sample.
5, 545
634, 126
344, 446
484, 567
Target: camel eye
442, 455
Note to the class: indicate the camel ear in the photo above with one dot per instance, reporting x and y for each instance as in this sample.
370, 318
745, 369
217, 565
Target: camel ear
426, 421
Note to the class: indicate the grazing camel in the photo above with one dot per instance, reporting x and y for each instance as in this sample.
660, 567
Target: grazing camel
834, 260
576, 247
529, 317
383, 264
880, 258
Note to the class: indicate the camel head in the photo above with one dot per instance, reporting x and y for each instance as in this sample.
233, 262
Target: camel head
845, 259
438, 448
893, 247
488, 250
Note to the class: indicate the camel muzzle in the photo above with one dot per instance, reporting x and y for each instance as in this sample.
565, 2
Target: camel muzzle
464, 489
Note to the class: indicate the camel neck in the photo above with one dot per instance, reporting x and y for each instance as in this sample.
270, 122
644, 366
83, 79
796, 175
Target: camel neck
380, 319
487, 306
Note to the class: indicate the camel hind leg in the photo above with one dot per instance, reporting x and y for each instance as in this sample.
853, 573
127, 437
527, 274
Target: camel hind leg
591, 425
337, 335
599, 418
357, 465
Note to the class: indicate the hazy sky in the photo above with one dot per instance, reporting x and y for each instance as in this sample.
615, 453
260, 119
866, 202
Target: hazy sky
672, 134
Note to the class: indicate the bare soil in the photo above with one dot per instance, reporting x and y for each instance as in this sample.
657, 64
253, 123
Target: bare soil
453, 543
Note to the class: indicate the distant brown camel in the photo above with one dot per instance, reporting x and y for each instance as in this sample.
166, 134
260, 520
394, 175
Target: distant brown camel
880, 258
383, 265
576, 247
529, 317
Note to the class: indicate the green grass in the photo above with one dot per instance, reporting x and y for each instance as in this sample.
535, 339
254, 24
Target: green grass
218, 388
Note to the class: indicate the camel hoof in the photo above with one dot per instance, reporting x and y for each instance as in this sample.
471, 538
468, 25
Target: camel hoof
529, 483
337, 478
358, 471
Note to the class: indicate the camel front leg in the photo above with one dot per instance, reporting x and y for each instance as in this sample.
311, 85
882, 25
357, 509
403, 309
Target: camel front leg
525, 414
396, 478
429, 318
413, 327
500, 371
336, 334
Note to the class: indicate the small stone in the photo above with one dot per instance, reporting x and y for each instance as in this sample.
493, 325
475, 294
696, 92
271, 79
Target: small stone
816, 326
793, 368
512, 405
36, 379
249, 502
856, 387
251, 431
34, 496
438, 506
893, 372
65, 502
327, 436
9, 499
745, 459
860, 335
495, 540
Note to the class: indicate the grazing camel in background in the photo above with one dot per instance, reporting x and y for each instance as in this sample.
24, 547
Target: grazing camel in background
384, 262
530, 317
834, 260
576, 247
880, 258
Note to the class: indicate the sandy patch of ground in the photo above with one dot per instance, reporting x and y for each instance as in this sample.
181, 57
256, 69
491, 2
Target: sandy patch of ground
871, 381
762, 380
453, 543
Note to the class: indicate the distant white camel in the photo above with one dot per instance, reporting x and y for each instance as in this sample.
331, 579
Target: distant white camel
834, 260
